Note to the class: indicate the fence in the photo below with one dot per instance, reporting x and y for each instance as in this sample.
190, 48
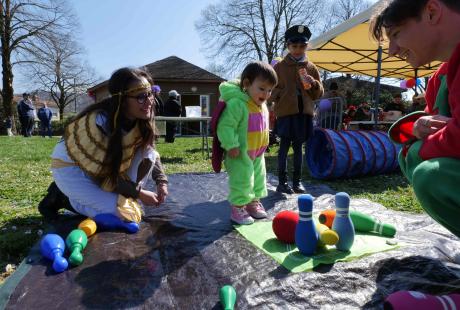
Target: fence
328, 113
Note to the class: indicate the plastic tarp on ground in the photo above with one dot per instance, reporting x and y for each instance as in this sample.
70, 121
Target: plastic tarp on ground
187, 249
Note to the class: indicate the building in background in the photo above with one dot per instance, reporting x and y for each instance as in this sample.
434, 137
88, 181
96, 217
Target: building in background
196, 86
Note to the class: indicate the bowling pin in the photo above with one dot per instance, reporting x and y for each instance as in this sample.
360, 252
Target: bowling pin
342, 222
306, 236
327, 235
107, 221
362, 222
227, 295
76, 241
409, 300
88, 226
52, 246
365, 223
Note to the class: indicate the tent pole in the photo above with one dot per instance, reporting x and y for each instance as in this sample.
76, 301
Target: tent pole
415, 77
377, 86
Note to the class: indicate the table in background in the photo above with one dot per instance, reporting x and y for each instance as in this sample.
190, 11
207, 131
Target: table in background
204, 120
385, 124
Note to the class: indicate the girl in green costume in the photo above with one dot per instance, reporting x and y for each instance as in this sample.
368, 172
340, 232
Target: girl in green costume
242, 130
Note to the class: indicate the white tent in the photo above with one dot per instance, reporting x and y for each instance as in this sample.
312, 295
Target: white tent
349, 48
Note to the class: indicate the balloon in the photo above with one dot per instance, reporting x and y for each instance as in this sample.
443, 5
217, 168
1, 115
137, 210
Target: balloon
403, 84
276, 60
410, 83
418, 82
273, 62
325, 104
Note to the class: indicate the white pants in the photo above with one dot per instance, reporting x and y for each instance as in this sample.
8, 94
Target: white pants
85, 195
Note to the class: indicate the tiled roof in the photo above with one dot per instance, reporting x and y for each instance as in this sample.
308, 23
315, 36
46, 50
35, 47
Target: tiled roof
175, 68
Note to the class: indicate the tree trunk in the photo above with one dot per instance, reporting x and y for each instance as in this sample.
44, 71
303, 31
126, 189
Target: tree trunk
7, 69
7, 93
61, 113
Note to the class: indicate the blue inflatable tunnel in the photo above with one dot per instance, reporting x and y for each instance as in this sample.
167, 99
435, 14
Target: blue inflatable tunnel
344, 154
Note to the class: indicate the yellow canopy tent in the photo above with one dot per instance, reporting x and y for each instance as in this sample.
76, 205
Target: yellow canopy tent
349, 48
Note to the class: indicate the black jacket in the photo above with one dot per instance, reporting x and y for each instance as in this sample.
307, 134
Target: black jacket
25, 108
159, 106
172, 107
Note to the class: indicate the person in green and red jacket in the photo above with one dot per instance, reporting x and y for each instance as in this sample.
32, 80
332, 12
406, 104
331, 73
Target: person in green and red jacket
422, 31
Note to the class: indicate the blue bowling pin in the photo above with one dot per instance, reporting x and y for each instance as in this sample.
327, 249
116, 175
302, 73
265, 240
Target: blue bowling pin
342, 224
306, 236
107, 221
52, 246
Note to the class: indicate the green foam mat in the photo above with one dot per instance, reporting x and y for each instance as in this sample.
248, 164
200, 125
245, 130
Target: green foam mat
262, 236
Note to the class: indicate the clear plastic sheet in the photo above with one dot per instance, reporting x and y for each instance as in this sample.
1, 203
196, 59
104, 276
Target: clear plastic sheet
187, 249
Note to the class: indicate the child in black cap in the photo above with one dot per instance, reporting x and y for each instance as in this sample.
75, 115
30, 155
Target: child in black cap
298, 86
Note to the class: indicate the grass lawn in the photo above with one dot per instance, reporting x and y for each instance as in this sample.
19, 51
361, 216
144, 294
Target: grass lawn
25, 176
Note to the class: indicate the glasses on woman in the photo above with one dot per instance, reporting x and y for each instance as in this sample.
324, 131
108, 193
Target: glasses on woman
142, 98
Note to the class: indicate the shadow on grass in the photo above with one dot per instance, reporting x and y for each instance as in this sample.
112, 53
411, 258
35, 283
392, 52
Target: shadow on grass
172, 160
18, 236
195, 150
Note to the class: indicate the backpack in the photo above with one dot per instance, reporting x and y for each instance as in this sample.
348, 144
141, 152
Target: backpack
218, 152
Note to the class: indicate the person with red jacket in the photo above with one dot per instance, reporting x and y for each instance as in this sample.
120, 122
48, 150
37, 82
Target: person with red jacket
422, 31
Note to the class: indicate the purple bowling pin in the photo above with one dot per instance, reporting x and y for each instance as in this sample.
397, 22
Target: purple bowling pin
52, 247
306, 236
342, 224
107, 221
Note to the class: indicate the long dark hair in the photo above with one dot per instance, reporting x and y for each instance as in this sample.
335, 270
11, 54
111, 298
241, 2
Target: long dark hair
395, 12
121, 81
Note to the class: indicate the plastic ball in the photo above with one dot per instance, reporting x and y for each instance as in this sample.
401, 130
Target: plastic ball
410, 83
284, 225
325, 104
403, 84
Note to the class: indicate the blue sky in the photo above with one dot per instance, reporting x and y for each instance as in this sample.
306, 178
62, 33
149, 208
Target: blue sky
119, 33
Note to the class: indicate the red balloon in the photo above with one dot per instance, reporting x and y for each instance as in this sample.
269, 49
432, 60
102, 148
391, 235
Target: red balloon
284, 225
410, 83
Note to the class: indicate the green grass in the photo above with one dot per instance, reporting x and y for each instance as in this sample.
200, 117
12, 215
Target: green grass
25, 176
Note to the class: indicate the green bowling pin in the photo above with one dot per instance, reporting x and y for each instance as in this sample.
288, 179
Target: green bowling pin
76, 241
227, 297
366, 223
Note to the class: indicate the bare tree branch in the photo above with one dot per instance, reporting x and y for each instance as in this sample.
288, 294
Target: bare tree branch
21, 23
57, 67
238, 31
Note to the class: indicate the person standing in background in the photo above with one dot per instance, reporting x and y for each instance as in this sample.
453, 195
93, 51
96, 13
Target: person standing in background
9, 125
172, 108
26, 112
159, 105
299, 84
44, 115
